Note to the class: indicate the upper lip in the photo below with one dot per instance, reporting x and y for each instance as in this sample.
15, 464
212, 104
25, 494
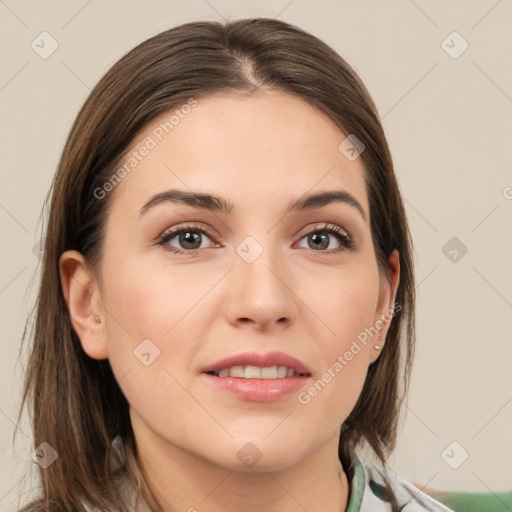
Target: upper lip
261, 360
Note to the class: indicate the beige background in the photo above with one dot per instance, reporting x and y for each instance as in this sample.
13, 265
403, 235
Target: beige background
449, 124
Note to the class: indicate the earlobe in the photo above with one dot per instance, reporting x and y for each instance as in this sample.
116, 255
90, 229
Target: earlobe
386, 303
83, 299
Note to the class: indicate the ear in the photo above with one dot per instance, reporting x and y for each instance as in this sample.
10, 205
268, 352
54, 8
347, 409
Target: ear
389, 280
82, 295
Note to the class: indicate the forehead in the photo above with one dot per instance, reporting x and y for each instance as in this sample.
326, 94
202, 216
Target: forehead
253, 150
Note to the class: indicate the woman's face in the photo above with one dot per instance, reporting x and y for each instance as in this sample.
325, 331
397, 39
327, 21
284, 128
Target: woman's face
248, 279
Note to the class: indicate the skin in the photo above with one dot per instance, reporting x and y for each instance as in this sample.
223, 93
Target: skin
259, 152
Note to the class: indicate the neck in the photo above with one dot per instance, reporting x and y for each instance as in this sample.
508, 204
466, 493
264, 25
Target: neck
181, 481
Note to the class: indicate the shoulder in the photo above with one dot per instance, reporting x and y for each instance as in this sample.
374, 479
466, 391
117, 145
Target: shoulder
373, 490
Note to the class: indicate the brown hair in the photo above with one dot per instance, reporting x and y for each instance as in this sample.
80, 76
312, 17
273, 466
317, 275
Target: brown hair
76, 404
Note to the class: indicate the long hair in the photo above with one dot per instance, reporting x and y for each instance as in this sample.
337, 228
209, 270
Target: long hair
74, 401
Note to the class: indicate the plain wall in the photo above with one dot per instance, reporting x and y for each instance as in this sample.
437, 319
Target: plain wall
448, 119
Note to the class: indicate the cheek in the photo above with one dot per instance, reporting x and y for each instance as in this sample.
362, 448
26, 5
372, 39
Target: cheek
343, 300
346, 304
154, 325
150, 340
152, 301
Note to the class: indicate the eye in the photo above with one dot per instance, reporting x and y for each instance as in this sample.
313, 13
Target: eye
189, 238
319, 238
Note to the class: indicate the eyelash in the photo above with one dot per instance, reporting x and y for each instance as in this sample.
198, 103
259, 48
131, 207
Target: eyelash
344, 238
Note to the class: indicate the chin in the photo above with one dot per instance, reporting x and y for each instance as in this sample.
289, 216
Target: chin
260, 454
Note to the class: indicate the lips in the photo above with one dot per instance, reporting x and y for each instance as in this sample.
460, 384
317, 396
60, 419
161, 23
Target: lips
260, 360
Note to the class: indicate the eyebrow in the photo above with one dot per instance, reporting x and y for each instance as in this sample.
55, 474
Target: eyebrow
218, 204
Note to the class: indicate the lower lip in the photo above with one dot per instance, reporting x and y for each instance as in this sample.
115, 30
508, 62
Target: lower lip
258, 390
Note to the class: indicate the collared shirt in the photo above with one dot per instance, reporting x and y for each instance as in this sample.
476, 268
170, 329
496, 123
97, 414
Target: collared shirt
368, 492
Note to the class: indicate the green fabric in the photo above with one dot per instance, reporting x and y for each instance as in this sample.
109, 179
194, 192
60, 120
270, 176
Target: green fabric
476, 502
456, 501
356, 487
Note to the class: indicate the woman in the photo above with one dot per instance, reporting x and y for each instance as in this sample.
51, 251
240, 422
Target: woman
227, 287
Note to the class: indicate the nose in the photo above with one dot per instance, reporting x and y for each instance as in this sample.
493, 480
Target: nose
260, 293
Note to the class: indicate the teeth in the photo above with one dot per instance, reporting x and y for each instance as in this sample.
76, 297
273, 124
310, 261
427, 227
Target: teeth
252, 372
255, 372
282, 372
236, 371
